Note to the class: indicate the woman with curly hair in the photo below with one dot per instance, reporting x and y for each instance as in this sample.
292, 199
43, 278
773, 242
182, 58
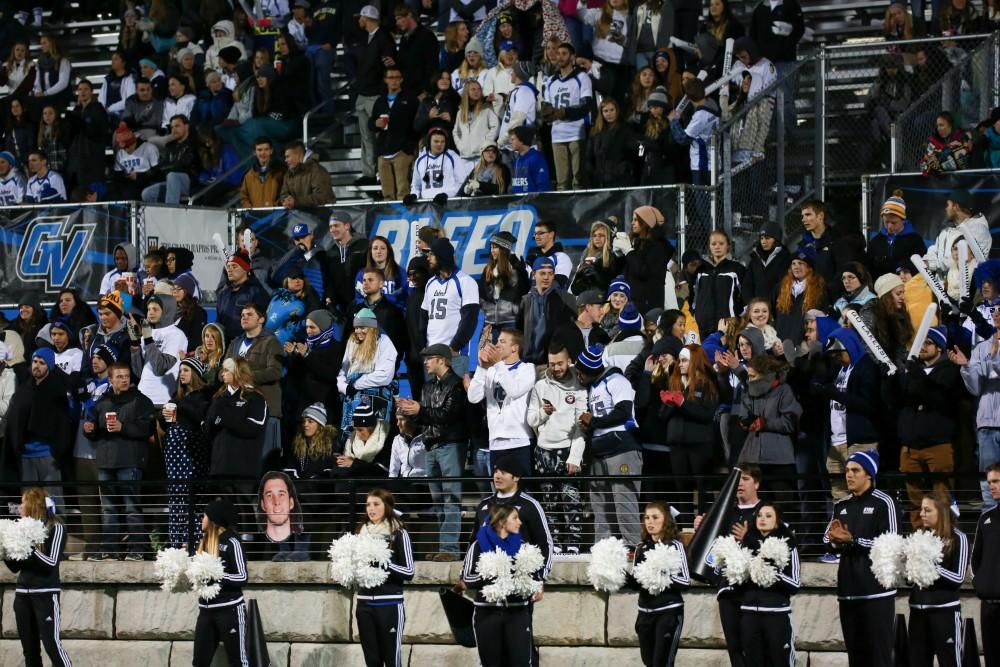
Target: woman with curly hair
801, 290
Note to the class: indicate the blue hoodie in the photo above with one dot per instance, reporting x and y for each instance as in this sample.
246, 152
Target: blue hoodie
824, 327
530, 173
861, 397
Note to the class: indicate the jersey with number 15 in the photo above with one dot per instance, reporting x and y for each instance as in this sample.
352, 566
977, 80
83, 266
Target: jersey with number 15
443, 301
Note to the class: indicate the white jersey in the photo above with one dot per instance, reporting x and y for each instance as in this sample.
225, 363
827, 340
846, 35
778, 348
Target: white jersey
506, 389
610, 390
144, 158
48, 188
69, 360
520, 105
700, 129
611, 47
443, 303
458, 83
762, 74
569, 92
434, 174
12, 188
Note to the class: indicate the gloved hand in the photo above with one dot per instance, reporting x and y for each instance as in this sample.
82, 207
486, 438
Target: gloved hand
441, 199
756, 425
621, 246
671, 397
820, 390
885, 368
747, 421
147, 331
558, 114
410, 199
914, 366
472, 187
967, 306
782, 28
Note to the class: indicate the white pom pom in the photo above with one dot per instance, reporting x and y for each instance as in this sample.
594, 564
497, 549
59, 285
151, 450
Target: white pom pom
660, 564
341, 554
494, 564
924, 551
776, 550
762, 572
732, 559
371, 558
171, 568
20, 537
608, 565
528, 560
204, 572
888, 560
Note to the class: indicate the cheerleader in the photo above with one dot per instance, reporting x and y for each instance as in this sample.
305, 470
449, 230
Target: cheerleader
661, 616
499, 626
935, 614
766, 624
36, 596
379, 611
224, 617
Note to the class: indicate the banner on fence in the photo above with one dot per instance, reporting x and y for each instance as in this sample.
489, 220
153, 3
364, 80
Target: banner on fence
469, 223
164, 228
45, 250
926, 198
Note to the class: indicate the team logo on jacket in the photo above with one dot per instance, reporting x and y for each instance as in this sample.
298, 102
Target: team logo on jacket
570, 399
52, 249
623, 468
869, 510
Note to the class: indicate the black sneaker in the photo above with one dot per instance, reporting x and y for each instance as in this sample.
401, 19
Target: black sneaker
365, 180
102, 556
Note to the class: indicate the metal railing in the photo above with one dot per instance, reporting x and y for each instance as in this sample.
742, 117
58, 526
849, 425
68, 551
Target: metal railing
169, 511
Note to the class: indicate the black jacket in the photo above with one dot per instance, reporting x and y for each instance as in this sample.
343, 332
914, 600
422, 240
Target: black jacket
646, 268
39, 412
862, 400
774, 599
866, 516
40, 572
885, 255
534, 523
764, 274
442, 408
229, 304
400, 571
191, 409
986, 555
774, 47
418, 54
791, 325
178, 157
343, 265
127, 447
400, 135
234, 564
659, 157
235, 427
504, 306
610, 157
368, 79
315, 375
595, 275
927, 403
943, 593
669, 598
692, 423
90, 135
717, 294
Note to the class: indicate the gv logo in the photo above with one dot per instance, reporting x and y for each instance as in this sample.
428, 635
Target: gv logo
52, 249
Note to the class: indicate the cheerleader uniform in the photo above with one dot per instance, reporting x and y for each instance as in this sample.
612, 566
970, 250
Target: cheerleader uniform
224, 617
36, 600
504, 635
661, 616
766, 625
379, 613
935, 614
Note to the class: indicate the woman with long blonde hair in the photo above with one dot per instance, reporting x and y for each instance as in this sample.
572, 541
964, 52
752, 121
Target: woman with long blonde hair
213, 346
598, 265
490, 176
935, 611
473, 67
476, 123
37, 591
368, 370
223, 618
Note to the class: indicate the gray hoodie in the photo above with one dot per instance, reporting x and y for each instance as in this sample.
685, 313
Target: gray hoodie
560, 429
108, 281
157, 362
982, 378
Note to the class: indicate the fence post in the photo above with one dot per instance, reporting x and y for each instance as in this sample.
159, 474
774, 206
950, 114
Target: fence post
779, 209
138, 228
819, 109
893, 146
682, 219
995, 65
727, 182
865, 204
715, 193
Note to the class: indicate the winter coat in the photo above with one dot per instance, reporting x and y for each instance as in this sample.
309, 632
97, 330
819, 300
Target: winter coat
974, 229
370, 70
471, 136
229, 303
717, 293
178, 157
309, 184
157, 362
37, 412
502, 306
264, 358
235, 427
399, 135
559, 308
89, 128
774, 443
861, 399
442, 406
126, 448
315, 375
646, 269
886, 252
219, 43
659, 157
764, 272
261, 189
609, 157
926, 400
595, 275
692, 423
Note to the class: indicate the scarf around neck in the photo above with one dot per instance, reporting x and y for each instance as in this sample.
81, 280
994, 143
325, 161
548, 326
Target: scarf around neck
489, 541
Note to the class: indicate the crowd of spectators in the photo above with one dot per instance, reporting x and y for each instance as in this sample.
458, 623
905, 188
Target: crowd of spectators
630, 361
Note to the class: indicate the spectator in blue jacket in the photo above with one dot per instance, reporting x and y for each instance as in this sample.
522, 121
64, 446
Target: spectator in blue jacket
214, 102
530, 172
241, 288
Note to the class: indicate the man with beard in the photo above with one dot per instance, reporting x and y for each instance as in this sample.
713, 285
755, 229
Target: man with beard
450, 308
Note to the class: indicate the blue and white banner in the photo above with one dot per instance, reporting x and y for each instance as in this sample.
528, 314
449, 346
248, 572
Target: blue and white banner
470, 223
45, 250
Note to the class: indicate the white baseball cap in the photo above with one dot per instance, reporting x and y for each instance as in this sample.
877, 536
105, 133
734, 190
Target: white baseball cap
370, 12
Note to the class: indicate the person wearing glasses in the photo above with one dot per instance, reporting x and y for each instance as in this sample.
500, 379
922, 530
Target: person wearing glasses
395, 139
546, 245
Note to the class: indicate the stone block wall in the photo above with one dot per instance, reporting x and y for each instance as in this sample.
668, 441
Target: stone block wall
115, 614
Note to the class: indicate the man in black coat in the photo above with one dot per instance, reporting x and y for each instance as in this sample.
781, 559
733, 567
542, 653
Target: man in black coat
120, 426
88, 123
418, 50
377, 53
395, 138
390, 318
895, 241
417, 274
178, 164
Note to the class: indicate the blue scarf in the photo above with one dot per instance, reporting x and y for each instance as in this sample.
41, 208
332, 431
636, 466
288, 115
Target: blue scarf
488, 541
322, 339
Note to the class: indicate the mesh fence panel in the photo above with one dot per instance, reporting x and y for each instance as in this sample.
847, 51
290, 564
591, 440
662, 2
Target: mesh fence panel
858, 109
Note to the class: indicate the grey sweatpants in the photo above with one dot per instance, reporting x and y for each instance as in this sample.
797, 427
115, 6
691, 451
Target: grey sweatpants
616, 504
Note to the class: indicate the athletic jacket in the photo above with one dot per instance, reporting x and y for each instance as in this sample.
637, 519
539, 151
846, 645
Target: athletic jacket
611, 401
774, 599
738, 514
530, 173
867, 516
400, 570
697, 135
717, 293
40, 572
943, 593
235, 427
48, 189
534, 523
505, 389
669, 598
986, 555
234, 573
436, 174
12, 188
473, 580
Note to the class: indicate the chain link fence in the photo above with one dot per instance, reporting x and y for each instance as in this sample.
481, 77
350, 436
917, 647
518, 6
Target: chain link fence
859, 98
967, 90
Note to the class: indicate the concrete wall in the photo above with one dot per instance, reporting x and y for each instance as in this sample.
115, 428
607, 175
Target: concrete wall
114, 614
